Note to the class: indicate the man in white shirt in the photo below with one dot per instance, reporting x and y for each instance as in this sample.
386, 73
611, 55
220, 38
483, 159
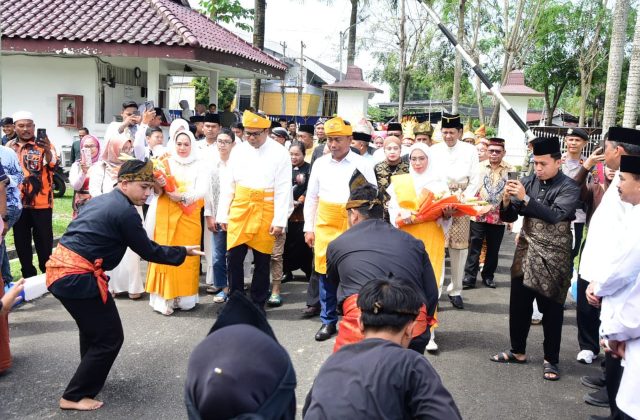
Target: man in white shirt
129, 124
325, 216
459, 164
254, 203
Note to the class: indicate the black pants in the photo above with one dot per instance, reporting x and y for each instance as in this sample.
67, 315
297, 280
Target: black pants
613, 376
520, 310
33, 224
101, 337
588, 319
477, 234
420, 342
259, 283
578, 230
313, 288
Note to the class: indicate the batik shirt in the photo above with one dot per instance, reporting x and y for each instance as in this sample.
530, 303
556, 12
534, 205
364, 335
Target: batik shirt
492, 183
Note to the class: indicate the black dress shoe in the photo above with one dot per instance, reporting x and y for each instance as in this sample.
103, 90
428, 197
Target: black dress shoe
456, 301
489, 283
600, 418
598, 398
468, 284
595, 382
326, 332
310, 311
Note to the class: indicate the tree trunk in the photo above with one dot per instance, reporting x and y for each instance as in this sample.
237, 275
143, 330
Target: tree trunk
479, 100
403, 61
353, 21
585, 88
457, 74
632, 99
616, 59
258, 42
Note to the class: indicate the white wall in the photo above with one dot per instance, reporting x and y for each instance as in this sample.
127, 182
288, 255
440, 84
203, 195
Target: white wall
352, 105
515, 140
33, 83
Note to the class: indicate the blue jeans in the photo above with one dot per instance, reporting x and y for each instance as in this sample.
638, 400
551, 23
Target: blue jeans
220, 258
328, 301
13, 214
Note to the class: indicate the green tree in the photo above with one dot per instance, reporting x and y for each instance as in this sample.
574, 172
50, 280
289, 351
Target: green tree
226, 91
227, 11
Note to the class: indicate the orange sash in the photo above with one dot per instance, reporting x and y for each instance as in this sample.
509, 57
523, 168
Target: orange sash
64, 262
349, 330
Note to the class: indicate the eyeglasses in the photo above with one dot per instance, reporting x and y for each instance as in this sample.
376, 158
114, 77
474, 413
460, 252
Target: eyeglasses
224, 142
254, 134
494, 151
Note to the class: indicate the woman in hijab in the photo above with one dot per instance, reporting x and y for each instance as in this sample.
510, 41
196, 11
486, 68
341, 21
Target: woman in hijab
393, 164
175, 220
78, 178
404, 191
103, 176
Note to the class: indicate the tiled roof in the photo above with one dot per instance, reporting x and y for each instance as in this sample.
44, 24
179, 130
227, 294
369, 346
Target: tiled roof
353, 81
146, 22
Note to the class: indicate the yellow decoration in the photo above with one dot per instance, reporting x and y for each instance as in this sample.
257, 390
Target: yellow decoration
336, 127
251, 120
407, 128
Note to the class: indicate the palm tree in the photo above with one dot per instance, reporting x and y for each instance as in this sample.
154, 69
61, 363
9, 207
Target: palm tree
258, 42
616, 59
632, 99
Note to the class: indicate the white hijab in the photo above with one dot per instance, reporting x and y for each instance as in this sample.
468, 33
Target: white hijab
432, 178
176, 126
193, 154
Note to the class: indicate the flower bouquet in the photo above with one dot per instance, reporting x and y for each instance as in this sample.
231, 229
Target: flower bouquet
431, 207
162, 172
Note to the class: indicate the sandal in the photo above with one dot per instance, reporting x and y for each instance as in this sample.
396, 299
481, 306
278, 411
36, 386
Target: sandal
135, 296
550, 369
212, 290
274, 300
506, 357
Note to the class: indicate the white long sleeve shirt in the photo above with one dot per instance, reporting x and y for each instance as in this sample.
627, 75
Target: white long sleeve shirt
460, 164
604, 235
265, 168
329, 181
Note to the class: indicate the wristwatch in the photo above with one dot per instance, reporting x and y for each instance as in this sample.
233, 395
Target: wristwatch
526, 199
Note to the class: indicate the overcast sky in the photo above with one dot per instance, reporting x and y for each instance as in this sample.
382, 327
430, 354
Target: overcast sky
314, 22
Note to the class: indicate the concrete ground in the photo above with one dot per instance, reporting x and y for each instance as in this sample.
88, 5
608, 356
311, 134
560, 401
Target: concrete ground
147, 379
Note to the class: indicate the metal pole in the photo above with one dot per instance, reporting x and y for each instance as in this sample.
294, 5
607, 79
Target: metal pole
302, 81
340, 51
282, 85
478, 71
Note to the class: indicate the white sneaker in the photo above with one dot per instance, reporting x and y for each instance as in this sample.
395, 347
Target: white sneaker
432, 347
586, 357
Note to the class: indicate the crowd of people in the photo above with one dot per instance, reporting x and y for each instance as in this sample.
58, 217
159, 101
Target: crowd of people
351, 207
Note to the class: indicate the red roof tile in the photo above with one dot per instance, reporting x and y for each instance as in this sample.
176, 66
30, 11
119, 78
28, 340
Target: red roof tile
353, 81
147, 22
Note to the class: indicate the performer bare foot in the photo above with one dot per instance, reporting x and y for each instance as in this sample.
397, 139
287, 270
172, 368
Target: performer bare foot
85, 404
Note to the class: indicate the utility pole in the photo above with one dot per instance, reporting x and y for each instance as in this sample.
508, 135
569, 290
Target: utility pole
341, 47
301, 83
282, 85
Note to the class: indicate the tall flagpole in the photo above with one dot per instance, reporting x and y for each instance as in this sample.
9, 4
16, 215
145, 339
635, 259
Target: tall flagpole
476, 68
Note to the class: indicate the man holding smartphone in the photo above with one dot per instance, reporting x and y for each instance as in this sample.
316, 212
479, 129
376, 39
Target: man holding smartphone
129, 124
38, 162
542, 263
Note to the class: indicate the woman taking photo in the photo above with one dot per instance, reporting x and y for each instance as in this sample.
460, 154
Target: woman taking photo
177, 222
103, 176
296, 254
78, 174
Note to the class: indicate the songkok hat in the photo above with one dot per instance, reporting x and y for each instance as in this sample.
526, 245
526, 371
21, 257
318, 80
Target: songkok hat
336, 127
469, 135
136, 170
407, 129
496, 141
394, 126
546, 146
211, 118
6, 121
481, 131
630, 163
129, 104
196, 119
274, 125
362, 193
320, 121
423, 128
358, 135
618, 134
280, 132
578, 132
22, 115
251, 120
226, 380
306, 128
451, 121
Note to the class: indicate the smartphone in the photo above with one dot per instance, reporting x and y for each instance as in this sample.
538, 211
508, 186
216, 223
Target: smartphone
86, 156
136, 113
41, 134
512, 176
145, 106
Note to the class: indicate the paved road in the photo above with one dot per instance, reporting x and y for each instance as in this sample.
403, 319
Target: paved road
147, 379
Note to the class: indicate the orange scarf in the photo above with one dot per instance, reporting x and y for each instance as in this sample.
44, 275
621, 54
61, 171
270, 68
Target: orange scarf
64, 262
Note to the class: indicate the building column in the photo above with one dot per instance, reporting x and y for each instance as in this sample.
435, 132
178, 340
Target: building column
153, 80
213, 90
